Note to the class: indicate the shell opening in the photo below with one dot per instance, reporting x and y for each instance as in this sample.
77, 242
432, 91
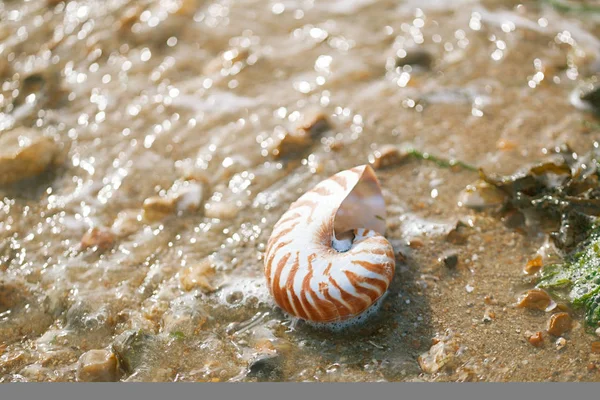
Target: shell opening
364, 207
343, 241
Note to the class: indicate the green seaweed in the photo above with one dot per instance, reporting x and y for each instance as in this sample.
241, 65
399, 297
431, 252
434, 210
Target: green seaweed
577, 279
177, 335
564, 193
440, 162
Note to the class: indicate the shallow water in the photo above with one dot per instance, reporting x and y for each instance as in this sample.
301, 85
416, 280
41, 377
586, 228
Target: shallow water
151, 97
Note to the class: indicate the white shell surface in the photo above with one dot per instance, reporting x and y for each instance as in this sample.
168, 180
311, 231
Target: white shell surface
327, 259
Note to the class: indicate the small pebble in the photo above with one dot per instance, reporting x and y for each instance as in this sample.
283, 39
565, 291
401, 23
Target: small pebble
535, 339
188, 195
559, 323
488, 315
98, 237
505, 144
26, 153
591, 366
560, 343
336, 145
126, 223
97, 366
183, 196
221, 211
197, 276
439, 355
415, 58
459, 235
313, 124
533, 265
157, 207
416, 244
450, 260
386, 156
133, 348
535, 299
597, 331
45, 85
480, 195
291, 144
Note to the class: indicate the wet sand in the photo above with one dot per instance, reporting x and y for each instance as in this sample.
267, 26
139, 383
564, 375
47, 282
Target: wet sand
164, 117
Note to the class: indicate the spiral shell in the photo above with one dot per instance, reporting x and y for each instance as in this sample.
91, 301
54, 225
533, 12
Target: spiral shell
327, 260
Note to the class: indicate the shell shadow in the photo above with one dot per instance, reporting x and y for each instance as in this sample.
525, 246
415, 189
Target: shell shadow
387, 344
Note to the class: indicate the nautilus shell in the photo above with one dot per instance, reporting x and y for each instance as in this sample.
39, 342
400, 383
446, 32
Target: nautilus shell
327, 261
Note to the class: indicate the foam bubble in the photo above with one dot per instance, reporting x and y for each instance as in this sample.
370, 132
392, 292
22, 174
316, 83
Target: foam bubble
245, 288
